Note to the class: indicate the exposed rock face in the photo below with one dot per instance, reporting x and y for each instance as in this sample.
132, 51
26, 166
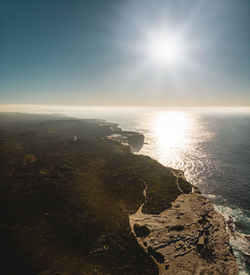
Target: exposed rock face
133, 139
190, 238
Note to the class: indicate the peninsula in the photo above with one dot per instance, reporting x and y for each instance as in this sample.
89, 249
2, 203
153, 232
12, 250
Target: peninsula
74, 199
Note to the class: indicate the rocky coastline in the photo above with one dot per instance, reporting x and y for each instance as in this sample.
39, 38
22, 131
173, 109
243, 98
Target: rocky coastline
133, 139
189, 238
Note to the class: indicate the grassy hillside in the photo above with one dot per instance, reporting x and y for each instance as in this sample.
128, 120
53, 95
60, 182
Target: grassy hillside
64, 205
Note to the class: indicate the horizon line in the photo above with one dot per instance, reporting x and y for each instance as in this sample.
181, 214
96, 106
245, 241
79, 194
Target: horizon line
136, 106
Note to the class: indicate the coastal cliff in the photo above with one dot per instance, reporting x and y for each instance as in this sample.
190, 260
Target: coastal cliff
73, 201
189, 238
134, 140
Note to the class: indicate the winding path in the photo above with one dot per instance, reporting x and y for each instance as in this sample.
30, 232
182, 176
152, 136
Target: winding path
178, 174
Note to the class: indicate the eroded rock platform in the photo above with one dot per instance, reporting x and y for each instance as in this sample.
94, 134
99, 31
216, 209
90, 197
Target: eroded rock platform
190, 238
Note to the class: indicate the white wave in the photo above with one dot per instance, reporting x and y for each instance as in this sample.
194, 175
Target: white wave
210, 196
234, 212
240, 242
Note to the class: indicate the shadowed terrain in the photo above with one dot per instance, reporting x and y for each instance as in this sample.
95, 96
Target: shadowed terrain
64, 204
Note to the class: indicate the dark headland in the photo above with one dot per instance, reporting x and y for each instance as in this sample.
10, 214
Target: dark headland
74, 199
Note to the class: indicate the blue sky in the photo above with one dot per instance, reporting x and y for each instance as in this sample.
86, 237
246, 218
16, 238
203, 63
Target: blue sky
93, 52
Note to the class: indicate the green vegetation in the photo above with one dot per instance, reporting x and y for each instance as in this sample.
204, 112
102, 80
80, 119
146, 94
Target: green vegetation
185, 186
64, 205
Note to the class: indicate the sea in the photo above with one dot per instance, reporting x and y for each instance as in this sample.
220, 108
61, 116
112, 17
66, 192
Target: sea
210, 144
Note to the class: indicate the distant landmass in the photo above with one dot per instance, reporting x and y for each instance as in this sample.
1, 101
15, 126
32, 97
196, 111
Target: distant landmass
74, 199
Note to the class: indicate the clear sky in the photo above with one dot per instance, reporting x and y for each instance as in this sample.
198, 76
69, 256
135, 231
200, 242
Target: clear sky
119, 52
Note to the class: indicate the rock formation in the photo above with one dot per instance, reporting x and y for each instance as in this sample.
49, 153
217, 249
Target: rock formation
189, 238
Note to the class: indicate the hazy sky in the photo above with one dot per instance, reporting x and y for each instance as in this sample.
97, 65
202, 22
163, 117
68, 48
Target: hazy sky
110, 52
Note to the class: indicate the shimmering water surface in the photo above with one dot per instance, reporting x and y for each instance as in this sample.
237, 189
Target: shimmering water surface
211, 145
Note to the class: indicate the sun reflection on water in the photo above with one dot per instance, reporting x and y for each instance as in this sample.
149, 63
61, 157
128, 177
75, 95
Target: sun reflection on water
170, 129
175, 139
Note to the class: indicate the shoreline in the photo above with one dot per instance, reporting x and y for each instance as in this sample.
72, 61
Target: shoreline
243, 239
181, 241
239, 241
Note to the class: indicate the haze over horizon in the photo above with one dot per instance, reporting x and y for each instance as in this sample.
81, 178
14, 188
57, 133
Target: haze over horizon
125, 53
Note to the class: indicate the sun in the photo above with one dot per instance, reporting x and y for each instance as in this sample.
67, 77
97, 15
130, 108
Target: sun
164, 48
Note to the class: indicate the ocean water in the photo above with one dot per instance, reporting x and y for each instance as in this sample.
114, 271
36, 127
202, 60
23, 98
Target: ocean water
211, 146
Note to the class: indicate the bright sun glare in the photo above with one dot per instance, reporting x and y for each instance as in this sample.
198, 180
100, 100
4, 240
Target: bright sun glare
164, 48
170, 129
